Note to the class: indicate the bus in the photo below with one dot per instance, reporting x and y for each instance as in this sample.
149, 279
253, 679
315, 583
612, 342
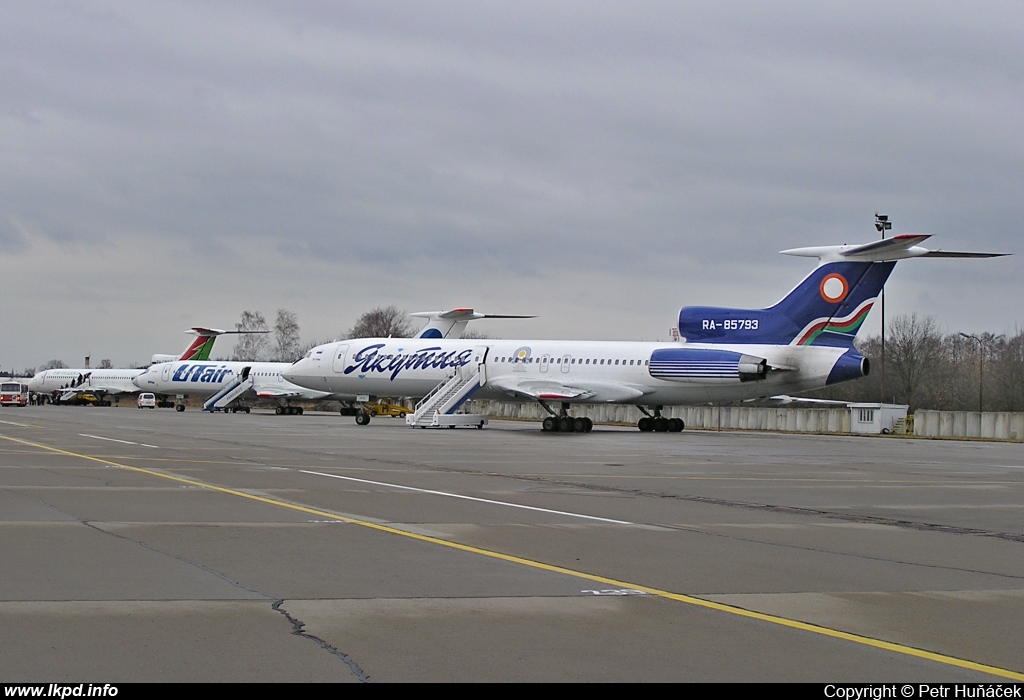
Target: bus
13, 394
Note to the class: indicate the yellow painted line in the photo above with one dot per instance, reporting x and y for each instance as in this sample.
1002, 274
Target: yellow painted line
668, 595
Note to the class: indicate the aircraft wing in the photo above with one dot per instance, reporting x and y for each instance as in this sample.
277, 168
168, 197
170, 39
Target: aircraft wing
96, 390
271, 393
554, 390
786, 400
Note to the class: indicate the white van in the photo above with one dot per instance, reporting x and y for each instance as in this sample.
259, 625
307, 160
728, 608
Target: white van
147, 400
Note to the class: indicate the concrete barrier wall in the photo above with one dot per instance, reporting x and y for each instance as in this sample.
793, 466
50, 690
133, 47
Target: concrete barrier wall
990, 425
809, 420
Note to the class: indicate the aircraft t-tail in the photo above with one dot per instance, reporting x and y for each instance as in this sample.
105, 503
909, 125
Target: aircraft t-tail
803, 342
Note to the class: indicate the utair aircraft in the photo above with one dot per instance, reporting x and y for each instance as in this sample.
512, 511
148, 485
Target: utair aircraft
73, 385
227, 385
803, 342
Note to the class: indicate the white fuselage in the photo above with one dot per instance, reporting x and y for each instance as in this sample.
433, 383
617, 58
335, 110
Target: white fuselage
109, 381
605, 371
206, 378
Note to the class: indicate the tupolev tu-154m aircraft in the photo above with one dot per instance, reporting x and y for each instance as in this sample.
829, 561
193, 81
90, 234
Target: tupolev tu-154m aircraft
803, 342
226, 385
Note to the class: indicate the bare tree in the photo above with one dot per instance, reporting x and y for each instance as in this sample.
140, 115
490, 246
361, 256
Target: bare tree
250, 345
286, 335
55, 364
105, 363
915, 355
475, 335
382, 322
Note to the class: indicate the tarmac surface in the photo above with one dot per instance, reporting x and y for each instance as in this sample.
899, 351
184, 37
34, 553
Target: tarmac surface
149, 545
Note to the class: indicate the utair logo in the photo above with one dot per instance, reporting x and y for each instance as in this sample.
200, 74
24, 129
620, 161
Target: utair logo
370, 359
207, 374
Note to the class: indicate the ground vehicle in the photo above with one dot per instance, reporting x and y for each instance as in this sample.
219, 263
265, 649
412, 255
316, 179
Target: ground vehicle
13, 394
147, 400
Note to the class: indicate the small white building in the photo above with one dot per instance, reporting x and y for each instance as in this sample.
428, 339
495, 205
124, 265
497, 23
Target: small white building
875, 418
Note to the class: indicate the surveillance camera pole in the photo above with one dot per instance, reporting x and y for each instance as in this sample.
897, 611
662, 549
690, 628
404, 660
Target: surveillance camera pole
981, 370
882, 224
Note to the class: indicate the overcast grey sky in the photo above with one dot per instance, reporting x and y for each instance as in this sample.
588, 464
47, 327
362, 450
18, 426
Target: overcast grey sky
600, 164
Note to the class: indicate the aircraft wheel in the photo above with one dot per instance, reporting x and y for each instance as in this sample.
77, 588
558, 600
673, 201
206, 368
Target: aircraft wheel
590, 425
565, 424
661, 425
279, 410
298, 411
179, 407
675, 425
246, 409
579, 425
549, 424
645, 424
362, 418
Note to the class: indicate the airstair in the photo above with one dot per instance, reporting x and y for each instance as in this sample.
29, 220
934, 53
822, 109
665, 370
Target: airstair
438, 408
229, 393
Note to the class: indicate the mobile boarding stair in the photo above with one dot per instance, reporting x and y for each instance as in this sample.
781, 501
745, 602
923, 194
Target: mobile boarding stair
221, 400
438, 408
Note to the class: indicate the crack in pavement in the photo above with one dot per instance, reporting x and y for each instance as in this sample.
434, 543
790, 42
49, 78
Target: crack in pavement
299, 629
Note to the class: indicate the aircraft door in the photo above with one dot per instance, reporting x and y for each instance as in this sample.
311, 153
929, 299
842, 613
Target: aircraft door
165, 373
544, 360
340, 353
566, 360
480, 359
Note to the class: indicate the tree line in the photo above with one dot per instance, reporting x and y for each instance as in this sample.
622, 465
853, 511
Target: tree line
924, 368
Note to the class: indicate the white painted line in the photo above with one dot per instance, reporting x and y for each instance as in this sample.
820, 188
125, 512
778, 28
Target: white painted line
7, 422
125, 442
470, 498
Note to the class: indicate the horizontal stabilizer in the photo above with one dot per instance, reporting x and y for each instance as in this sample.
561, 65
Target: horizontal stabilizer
957, 254
452, 323
899, 247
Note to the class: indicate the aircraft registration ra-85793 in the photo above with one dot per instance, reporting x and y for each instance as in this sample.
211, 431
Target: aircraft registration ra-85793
73, 385
803, 342
227, 385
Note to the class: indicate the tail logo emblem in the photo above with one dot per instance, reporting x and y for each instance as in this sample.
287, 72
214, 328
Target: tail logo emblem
834, 288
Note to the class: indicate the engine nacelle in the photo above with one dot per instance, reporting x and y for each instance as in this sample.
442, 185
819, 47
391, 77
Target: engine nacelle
684, 364
851, 365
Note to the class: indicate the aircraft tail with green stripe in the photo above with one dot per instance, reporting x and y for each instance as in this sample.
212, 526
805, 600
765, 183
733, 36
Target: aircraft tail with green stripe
827, 308
200, 348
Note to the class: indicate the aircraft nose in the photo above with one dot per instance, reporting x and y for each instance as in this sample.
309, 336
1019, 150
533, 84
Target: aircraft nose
298, 370
140, 381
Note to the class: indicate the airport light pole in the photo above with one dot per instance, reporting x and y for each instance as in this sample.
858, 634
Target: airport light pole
981, 370
882, 224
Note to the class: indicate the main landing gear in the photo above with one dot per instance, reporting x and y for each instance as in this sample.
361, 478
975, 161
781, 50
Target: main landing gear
288, 410
658, 423
562, 422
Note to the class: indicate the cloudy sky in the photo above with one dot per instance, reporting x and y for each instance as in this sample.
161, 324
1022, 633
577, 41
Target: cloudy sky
600, 164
